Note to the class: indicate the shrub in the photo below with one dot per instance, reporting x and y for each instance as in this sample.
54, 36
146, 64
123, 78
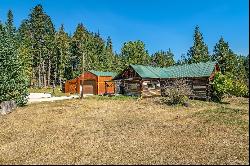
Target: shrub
177, 92
239, 89
221, 86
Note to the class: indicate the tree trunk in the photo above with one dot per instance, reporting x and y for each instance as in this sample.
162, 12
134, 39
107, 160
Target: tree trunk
39, 70
83, 63
39, 75
60, 80
49, 69
44, 75
60, 67
32, 70
55, 75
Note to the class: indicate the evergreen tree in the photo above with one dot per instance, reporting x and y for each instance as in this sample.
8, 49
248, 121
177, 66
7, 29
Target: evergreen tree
62, 43
118, 63
240, 70
109, 45
13, 82
1, 26
224, 56
246, 64
108, 57
182, 60
169, 58
163, 59
25, 49
97, 57
134, 52
9, 24
41, 32
78, 47
199, 51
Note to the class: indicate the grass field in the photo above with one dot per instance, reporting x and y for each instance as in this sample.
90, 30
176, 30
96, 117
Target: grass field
103, 130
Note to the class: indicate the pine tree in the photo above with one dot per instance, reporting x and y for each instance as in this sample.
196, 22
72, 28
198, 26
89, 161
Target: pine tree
109, 45
158, 59
41, 32
118, 63
106, 59
134, 53
97, 56
224, 56
62, 43
163, 59
9, 24
25, 49
78, 47
199, 51
240, 70
182, 60
1, 26
246, 64
13, 82
169, 58
110, 62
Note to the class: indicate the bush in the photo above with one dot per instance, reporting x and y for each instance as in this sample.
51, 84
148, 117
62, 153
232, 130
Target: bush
239, 89
221, 86
177, 93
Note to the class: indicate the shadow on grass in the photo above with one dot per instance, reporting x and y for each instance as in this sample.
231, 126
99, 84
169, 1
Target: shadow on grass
224, 115
222, 102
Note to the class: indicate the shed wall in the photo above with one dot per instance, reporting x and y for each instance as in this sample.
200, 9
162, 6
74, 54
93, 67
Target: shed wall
105, 88
92, 84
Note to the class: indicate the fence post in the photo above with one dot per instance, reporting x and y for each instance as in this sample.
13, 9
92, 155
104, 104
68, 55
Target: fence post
81, 84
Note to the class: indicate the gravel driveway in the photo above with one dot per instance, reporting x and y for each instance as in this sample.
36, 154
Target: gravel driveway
40, 97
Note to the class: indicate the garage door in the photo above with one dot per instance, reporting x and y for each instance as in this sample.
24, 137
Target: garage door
89, 87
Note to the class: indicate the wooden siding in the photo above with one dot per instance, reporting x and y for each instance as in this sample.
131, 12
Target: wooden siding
92, 84
150, 88
134, 85
200, 87
105, 88
70, 86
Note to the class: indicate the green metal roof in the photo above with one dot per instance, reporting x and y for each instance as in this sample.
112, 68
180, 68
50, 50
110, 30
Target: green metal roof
188, 70
101, 73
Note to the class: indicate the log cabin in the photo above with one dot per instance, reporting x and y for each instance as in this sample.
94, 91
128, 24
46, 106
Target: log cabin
147, 81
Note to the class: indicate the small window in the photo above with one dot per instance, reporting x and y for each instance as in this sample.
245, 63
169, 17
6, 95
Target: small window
132, 86
151, 86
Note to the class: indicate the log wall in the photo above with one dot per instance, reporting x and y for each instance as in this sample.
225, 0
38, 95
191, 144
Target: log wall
201, 89
151, 88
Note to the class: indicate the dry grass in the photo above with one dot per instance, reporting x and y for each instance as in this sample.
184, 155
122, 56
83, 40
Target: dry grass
57, 91
126, 131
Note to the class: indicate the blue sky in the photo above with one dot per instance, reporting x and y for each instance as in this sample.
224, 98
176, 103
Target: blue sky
160, 24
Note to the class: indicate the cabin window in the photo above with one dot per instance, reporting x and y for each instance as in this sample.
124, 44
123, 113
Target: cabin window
132, 86
151, 86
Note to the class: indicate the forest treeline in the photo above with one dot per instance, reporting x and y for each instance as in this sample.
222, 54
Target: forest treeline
49, 56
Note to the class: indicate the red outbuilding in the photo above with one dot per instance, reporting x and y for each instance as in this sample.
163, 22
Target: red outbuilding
95, 82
